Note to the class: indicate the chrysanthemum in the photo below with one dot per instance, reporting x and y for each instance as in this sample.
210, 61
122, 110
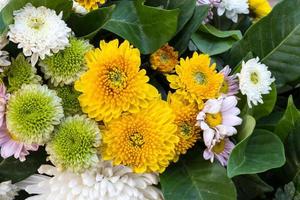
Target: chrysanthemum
255, 80
39, 31
104, 182
232, 8
164, 59
4, 55
221, 150
3, 100
91, 4
69, 97
79, 8
21, 72
74, 145
8, 191
196, 78
68, 65
32, 113
212, 4
230, 84
144, 141
114, 82
260, 8
218, 118
187, 131
11, 146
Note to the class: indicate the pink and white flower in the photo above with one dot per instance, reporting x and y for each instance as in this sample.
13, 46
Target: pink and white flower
212, 4
3, 100
231, 84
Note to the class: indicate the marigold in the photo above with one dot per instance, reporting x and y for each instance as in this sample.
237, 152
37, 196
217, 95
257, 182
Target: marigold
260, 8
144, 141
196, 79
90, 4
114, 82
164, 59
187, 131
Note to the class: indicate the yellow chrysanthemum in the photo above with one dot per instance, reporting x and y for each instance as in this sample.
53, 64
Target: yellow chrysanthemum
91, 4
196, 79
187, 131
114, 82
164, 59
144, 141
260, 8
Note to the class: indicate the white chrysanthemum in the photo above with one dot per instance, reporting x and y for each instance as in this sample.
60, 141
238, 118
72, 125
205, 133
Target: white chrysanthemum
232, 8
8, 191
3, 3
255, 80
39, 31
79, 9
4, 58
105, 182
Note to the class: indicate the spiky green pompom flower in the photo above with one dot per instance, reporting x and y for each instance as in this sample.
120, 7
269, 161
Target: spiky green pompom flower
21, 72
69, 98
75, 143
32, 112
67, 65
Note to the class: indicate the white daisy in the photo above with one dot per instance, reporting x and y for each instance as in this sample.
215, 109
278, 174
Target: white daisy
8, 191
79, 9
39, 31
104, 182
255, 80
232, 8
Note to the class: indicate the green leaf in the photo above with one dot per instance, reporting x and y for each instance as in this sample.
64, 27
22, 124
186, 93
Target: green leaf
212, 41
13, 169
247, 127
193, 178
181, 41
6, 15
147, 28
276, 40
260, 152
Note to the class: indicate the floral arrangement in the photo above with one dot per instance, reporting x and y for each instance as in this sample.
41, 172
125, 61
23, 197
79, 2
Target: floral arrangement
149, 100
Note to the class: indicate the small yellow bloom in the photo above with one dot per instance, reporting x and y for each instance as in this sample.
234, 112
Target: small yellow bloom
114, 82
91, 4
164, 59
260, 8
144, 141
197, 79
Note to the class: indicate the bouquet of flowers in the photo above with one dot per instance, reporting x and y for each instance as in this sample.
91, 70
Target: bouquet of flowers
149, 100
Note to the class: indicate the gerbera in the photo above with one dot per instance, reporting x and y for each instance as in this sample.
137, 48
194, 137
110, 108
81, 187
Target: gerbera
196, 78
11, 146
218, 118
255, 80
104, 182
232, 8
144, 141
164, 59
8, 191
66, 66
3, 100
185, 119
221, 150
91, 4
230, 84
114, 82
32, 113
260, 8
39, 31
74, 144
212, 4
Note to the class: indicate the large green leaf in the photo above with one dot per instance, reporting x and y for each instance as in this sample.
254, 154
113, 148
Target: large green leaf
247, 127
147, 28
193, 178
6, 17
260, 152
276, 40
212, 41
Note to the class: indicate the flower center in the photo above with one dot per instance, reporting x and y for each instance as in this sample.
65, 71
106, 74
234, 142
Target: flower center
219, 147
225, 87
214, 120
36, 23
117, 78
185, 130
200, 78
254, 77
136, 140
13, 137
164, 58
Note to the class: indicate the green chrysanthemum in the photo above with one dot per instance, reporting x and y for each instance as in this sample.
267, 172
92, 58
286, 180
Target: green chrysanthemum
68, 65
21, 72
74, 146
32, 112
69, 98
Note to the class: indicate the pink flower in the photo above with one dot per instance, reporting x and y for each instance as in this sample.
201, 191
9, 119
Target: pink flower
212, 4
231, 84
10, 146
221, 150
3, 100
